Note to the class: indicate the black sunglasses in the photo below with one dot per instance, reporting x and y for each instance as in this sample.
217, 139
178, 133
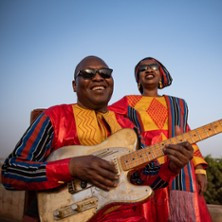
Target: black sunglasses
105, 73
153, 67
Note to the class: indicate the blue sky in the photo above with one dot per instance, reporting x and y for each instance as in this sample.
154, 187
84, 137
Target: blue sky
42, 41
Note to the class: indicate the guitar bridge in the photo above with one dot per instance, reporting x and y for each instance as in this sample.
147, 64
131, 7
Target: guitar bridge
75, 208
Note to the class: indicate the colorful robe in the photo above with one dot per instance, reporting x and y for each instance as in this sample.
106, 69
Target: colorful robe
63, 125
156, 117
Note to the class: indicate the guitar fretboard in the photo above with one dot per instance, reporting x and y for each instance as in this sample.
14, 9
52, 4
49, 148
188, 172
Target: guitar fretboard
142, 157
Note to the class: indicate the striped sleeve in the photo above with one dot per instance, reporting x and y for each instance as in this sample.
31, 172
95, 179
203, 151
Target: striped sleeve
26, 167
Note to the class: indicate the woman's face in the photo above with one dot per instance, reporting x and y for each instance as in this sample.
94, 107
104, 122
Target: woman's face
149, 74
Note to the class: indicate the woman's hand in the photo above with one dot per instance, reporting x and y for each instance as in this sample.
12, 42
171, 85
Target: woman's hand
179, 154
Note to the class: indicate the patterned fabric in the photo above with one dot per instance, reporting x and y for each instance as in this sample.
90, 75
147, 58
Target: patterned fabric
178, 113
158, 113
133, 100
63, 125
178, 116
155, 129
58, 126
151, 133
89, 124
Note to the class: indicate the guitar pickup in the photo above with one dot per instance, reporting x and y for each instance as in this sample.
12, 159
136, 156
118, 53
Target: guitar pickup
75, 208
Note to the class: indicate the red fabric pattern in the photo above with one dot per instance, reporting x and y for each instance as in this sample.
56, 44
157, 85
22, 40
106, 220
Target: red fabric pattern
152, 209
158, 112
133, 100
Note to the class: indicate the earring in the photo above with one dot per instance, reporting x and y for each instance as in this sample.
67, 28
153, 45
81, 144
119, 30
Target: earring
160, 85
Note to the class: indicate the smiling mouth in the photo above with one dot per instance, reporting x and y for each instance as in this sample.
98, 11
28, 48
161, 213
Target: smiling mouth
149, 76
98, 88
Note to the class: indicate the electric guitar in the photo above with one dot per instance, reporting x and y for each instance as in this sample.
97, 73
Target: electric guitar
79, 201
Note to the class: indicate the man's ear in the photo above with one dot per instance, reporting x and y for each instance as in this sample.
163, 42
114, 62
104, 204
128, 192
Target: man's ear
74, 85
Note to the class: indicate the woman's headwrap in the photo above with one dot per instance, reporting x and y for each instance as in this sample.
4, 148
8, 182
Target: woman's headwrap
166, 78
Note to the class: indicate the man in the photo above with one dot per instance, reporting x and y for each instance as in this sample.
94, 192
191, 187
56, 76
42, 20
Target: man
88, 122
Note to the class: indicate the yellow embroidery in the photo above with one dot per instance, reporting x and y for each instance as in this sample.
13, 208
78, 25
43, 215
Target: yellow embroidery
158, 113
91, 126
102, 126
153, 118
87, 126
111, 121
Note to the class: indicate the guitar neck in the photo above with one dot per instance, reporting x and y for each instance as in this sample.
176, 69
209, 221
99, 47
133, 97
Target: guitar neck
141, 157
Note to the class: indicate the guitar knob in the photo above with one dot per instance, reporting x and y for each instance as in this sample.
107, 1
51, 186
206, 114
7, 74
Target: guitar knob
83, 184
57, 214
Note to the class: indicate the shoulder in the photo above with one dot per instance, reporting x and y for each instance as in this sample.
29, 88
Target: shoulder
124, 102
58, 110
129, 97
132, 97
176, 99
176, 103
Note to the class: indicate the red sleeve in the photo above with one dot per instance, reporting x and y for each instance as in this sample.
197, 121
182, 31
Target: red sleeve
165, 173
58, 170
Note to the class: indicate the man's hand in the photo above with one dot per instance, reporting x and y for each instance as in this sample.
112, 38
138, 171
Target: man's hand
178, 154
95, 170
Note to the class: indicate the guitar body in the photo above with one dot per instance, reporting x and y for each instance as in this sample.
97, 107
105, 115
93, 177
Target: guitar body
79, 202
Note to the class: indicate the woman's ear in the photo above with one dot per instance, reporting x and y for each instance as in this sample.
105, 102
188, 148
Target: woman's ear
74, 85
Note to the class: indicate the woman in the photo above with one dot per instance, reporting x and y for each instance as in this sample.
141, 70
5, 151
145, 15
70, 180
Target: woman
157, 117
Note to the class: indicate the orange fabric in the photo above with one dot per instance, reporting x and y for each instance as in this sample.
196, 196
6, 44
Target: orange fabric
158, 113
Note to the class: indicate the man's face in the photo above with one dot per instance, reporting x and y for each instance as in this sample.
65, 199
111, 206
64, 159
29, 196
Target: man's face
93, 93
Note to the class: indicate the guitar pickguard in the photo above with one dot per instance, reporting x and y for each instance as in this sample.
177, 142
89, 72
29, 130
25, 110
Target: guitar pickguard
82, 203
